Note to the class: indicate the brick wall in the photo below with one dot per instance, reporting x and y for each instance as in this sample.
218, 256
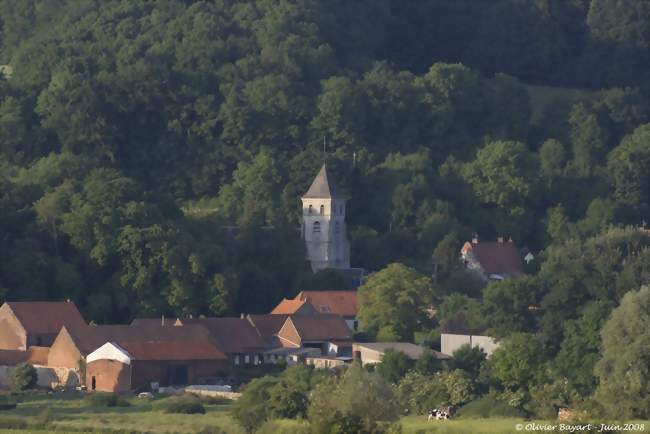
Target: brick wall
108, 376
64, 353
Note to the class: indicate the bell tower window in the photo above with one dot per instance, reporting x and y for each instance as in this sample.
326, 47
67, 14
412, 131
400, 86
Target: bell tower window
311, 209
316, 228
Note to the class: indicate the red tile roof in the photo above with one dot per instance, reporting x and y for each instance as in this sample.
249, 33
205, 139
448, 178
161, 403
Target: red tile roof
496, 257
287, 307
342, 303
232, 335
172, 350
89, 338
321, 328
268, 326
46, 317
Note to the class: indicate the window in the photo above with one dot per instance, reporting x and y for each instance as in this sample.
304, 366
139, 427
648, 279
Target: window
247, 359
311, 209
236, 360
316, 228
337, 228
322, 209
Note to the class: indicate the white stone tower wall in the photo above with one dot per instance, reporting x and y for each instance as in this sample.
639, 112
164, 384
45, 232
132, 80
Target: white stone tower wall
328, 248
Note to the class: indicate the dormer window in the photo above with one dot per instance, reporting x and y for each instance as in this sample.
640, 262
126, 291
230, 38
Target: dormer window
316, 228
322, 210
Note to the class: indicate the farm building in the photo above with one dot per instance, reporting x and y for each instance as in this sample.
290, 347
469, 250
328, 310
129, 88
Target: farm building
37, 323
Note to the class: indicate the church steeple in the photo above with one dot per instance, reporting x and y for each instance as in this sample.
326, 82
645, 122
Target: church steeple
323, 224
322, 187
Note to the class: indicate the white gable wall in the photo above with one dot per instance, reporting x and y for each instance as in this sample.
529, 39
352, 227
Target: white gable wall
110, 351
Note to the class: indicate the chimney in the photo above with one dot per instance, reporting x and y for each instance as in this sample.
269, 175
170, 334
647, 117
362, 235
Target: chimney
500, 240
162, 320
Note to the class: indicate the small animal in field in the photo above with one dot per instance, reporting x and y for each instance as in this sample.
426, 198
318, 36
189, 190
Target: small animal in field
442, 413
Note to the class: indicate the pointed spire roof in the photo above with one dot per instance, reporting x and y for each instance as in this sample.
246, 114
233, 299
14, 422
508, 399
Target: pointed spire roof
322, 187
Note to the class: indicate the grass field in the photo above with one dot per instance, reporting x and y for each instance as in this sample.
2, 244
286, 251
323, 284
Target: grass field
71, 413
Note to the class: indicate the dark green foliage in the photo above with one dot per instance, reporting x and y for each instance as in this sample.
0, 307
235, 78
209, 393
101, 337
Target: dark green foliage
152, 156
186, 404
101, 399
24, 377
623, 370
251, 409
394, 364
358, 401
284, 397
468, 359
487, 407
518, 362
392, 303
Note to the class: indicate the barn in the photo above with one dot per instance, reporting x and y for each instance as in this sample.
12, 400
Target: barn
124, 366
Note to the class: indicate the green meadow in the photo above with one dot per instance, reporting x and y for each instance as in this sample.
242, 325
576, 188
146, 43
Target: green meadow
73, 414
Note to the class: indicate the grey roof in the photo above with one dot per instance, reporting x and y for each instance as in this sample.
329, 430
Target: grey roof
323, 187
411, 350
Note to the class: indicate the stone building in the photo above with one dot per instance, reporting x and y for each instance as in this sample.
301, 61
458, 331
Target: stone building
324, 229
323, 224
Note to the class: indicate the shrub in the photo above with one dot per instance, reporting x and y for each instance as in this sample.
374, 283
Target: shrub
358, 399
24, 377
12, 423
184, 405
488, 406
284, 426
100, 399
211, 430
251, 409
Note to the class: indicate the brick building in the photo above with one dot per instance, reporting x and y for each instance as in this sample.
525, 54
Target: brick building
124, 366
27, 324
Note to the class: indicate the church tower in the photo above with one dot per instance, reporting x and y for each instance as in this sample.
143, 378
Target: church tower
323, 224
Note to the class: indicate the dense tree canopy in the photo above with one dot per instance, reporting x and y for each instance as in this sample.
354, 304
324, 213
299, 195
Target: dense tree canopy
152, 157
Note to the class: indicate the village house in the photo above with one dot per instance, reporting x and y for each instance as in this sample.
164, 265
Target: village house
325, 362
268, 326
73, 344
373, 352
450, 342
341, 303
293, 307
35, 323
236, 337
327, 333
157, 354
492, 260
